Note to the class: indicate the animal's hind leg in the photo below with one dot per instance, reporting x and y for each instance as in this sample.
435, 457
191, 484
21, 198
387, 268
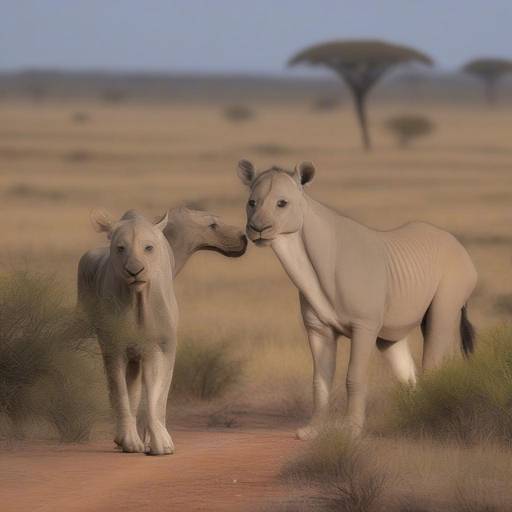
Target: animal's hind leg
441, 330
398, 355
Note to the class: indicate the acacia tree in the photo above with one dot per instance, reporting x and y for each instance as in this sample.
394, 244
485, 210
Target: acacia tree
361, 64
490, 71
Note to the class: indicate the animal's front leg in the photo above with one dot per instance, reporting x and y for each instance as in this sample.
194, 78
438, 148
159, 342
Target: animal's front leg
127, 436
363, 344
156, 371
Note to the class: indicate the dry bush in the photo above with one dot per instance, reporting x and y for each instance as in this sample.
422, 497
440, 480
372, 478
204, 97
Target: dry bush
503, 304
44, 374
238, 113
80, 117
326, 104
25, 191
469, 400
205, 370
406, 128
345, 471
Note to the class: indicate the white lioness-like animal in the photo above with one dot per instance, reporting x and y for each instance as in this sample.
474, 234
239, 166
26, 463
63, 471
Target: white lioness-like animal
373, 287
129, 295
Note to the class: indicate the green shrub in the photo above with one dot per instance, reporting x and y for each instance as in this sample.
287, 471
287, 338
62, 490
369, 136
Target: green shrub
469, 400
44, 374
204, 370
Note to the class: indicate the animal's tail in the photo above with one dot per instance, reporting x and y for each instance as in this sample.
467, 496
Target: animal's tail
467, 333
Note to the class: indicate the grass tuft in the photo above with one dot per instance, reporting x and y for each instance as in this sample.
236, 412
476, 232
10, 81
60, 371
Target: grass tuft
205, 370
467, 400
344, 469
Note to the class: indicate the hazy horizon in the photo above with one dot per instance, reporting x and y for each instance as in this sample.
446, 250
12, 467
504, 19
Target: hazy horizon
237, 37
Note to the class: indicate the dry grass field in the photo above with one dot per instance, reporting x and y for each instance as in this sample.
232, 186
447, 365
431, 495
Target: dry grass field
56, 166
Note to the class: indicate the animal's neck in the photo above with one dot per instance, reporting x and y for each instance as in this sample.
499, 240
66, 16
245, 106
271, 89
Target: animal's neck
182, 243
293, 255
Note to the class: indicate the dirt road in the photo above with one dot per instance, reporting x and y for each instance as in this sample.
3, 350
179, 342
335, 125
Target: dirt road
228, 470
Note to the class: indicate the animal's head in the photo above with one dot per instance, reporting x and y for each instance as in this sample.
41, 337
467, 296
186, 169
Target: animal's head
275, 205
205, 231
138, 248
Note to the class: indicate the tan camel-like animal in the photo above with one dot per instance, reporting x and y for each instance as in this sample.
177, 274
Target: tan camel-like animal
129, 295
189, 231
373, 287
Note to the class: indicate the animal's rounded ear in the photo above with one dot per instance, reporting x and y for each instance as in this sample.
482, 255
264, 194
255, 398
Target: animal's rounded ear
246, 172
161, 222
102, 221
304, 173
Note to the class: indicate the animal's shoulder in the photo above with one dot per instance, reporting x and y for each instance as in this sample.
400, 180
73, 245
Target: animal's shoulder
91, 260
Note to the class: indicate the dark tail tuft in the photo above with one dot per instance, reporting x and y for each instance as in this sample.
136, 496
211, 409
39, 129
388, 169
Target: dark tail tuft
467, 333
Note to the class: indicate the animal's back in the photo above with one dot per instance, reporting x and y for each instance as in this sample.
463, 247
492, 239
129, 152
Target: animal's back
418, 257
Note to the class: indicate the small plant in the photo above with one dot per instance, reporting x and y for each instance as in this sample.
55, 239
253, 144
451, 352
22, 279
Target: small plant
343, 468
203, 370
80, 117
44, 375
407, 128
326, 104
466, 400
238, 113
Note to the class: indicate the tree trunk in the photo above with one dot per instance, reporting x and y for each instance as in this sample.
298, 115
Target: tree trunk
360, 99
490, 91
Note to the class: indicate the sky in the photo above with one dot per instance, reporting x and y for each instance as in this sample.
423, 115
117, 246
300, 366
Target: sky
238, 36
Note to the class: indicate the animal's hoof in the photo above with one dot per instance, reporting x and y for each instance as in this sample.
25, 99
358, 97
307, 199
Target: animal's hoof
307, 433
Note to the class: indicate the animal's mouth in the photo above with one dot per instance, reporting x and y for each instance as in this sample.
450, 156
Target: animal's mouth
262, 242
228, 251
136, 282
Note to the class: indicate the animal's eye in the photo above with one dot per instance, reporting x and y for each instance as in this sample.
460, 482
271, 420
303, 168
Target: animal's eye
120, 249
149, 248
213, 226
282, 203
251, 203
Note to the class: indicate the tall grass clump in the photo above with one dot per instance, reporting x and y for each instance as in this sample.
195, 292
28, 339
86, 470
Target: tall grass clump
468, 400
348, 476
46, 378
205, 370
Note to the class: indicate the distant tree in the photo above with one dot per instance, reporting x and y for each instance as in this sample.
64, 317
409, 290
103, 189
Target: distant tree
408, 127
490, 71
361, 64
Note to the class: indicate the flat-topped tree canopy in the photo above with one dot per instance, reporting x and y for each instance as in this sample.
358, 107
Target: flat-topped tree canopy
488, 67
361, 63
489, 70
343, 54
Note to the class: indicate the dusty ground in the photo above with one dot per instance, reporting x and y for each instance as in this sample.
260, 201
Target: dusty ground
53, 171
220, 470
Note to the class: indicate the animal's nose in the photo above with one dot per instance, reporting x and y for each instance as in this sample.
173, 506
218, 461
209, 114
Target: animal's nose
134, 271
259, 229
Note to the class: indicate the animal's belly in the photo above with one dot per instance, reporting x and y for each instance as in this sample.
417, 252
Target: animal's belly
406, 313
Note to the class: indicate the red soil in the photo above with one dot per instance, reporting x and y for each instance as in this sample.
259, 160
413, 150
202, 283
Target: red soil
224, 470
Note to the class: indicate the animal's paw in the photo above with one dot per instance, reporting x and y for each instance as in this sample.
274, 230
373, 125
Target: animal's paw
307, 433
130, 443
159, 442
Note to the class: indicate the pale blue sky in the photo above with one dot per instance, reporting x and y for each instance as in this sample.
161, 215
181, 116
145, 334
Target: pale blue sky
237, 35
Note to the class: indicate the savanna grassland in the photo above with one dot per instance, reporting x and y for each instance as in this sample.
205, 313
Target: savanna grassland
58, 160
